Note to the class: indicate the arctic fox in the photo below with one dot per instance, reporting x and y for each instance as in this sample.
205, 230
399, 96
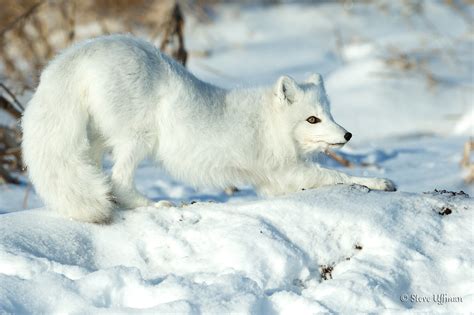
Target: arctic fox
121, 94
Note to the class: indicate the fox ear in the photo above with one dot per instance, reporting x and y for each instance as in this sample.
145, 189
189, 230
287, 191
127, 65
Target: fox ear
316, 79
287, 90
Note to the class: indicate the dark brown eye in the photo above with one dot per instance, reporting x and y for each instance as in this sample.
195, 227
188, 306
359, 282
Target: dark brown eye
313, 120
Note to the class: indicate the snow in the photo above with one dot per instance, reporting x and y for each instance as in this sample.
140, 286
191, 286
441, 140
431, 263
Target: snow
245, 254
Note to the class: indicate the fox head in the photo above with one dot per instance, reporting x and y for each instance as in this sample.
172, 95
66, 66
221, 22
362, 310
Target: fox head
306, 111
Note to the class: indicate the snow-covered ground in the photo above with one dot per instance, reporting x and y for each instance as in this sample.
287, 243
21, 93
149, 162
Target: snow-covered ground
334, 249
261, 257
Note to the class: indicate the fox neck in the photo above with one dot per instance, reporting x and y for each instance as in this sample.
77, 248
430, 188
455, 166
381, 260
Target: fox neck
274, 138
277, 134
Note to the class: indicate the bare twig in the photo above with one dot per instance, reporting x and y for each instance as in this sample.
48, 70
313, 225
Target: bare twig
340, 159
8, 107
68, 10
468, 147
15, 100
174, 27
5, 176
466, 160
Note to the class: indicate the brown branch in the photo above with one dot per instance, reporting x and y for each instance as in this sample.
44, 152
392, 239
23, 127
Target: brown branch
466, 161
341, 160
15, 100
468, 147
10, 151
174, 26
8, 107
7, 177
7, 137
68, 12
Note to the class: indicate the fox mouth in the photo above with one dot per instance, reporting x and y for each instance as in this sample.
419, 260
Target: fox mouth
323, 145
327, 143
337, 145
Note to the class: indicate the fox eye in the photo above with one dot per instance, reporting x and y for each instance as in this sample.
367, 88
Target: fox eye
313, 120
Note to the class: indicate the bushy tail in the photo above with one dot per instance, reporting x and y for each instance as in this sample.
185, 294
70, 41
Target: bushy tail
56, 152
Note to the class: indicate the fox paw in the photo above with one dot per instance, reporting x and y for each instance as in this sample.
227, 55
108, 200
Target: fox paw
382, 184
163, 204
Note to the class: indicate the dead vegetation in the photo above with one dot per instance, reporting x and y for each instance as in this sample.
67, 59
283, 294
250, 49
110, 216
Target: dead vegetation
10, 150
33, 31
466, 161
412, 63
445, 211
418, 60
326, 271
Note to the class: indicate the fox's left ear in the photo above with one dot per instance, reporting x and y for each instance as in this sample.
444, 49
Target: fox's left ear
287, 90
316, 79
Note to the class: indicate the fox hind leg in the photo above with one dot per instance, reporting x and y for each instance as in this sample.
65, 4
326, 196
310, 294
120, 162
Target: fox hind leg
126, 158
97, 150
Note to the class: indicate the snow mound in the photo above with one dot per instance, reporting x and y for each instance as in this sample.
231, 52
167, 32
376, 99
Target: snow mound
338, 249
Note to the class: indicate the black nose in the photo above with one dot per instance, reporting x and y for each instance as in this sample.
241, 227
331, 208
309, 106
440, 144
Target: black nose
348, 136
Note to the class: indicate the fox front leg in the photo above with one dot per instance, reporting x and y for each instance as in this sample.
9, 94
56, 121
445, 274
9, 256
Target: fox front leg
308, 177
326, 177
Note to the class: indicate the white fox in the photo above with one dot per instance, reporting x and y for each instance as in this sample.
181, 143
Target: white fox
121, 94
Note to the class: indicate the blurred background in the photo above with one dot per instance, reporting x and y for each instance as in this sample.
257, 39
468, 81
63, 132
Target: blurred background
399, 73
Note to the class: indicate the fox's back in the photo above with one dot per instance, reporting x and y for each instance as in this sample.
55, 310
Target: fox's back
120, 80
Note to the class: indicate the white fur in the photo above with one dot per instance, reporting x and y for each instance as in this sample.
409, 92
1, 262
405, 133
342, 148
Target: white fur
121, 94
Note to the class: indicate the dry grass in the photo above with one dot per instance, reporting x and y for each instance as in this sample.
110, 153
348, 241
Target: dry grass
33, 31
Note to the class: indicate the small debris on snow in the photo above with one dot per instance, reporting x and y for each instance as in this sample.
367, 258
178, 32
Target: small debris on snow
326, 272
447, 193
445, 211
